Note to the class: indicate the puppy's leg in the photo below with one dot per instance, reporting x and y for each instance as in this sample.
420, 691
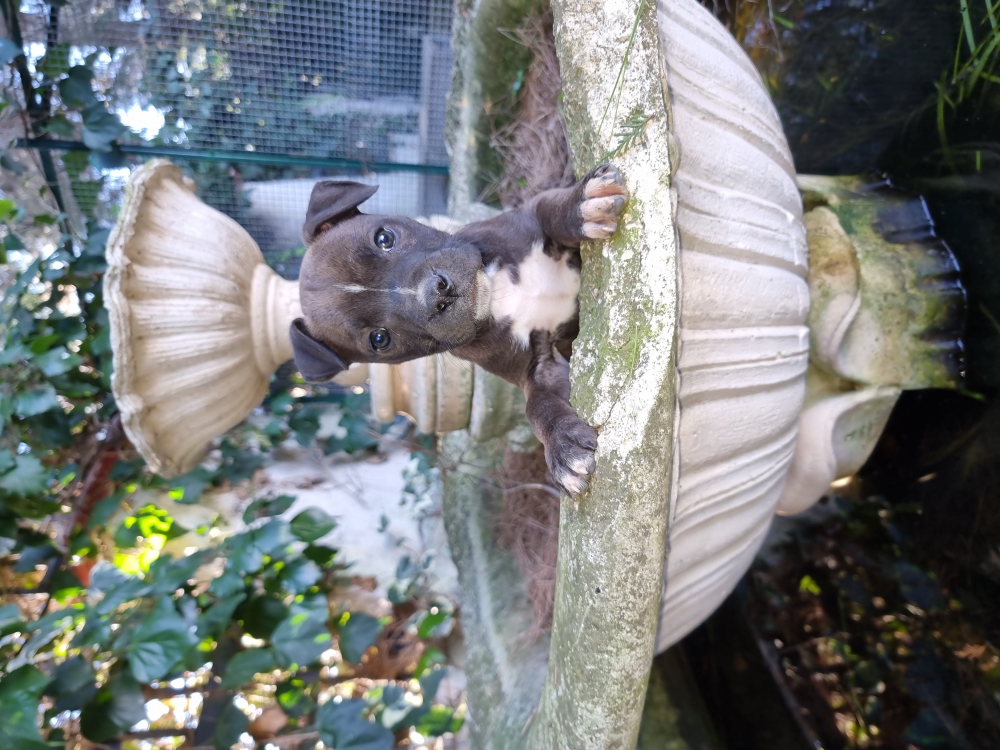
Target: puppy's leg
587, 211
569, 442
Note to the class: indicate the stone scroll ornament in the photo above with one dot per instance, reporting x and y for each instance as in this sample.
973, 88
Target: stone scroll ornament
797, 329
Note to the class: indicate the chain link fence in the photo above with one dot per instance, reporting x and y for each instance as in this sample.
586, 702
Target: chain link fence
258, 100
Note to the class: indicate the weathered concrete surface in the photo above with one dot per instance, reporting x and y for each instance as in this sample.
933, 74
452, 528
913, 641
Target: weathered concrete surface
612, 540
505, 668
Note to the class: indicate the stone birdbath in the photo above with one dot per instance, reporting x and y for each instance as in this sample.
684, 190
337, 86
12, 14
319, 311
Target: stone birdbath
744, 338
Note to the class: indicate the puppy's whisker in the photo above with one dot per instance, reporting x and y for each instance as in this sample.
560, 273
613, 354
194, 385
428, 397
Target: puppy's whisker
463, 364
357, 288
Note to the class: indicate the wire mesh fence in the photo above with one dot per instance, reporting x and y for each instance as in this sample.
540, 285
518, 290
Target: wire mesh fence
258, 100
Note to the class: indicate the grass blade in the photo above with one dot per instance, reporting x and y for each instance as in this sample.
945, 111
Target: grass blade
967, 25
620, 80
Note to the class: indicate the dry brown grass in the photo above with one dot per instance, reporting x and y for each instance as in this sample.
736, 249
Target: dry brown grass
535, 145
529, 528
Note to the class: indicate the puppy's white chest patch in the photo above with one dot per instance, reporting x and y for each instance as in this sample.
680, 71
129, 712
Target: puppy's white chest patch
543, 298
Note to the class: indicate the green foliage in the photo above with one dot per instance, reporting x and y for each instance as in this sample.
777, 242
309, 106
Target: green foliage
8, 50
312, 524
356, 634
301, 638
160, 642
20, 692
975, 69
246, 664
343, 726
118, 705
232, 723
111, 616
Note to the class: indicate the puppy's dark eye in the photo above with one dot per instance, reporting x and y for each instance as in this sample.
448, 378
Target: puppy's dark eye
379, 338
385, 238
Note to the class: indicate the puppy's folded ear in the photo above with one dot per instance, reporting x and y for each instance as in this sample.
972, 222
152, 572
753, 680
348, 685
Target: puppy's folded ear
316, 361
333, 201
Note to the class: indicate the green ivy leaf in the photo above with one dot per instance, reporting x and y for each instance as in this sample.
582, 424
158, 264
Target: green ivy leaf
75, 90
28, 477
398, 712
430, 622
65, 585
300, 574
273, 538
167, 575
119, 705
227, 584
12, 241
9, 50
237, 464
244, 557
360, 435
57, 361
187, 488
263, 614
8, 209
320, 554
431, 657
132, 588
106, 575
244, 665
15, 290
7, 161
105, 509
304, 422
436, 721
341, 725
97, 241
300, 639
267, 506
213, 621
36, 400
231, 724
311, 524
293, 698
112, 158
356, 632
101, 127
10, 619
430, 682
60, 126
73, 685
20, 693
160, 643
34, 555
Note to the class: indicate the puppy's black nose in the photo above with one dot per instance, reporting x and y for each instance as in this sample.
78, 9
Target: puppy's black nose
439, 292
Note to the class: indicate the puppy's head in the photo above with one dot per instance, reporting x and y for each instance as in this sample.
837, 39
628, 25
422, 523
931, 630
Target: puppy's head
380, 288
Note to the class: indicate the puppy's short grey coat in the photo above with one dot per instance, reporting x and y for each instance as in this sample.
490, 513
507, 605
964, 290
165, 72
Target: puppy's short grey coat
501, 293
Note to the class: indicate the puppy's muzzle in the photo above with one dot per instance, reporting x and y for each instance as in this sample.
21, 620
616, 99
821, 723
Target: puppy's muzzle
439, 293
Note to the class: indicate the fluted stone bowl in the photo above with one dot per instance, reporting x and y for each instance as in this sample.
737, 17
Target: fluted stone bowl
199, 323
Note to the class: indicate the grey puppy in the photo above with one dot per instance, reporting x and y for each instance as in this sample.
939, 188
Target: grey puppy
501, 293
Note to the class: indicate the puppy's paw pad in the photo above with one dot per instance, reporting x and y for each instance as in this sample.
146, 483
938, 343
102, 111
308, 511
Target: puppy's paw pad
572, 484
604, 181
605, 198
600, 215
570, 455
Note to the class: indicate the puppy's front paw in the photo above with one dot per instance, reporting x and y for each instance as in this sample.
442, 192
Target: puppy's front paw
605, 196
570, 455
